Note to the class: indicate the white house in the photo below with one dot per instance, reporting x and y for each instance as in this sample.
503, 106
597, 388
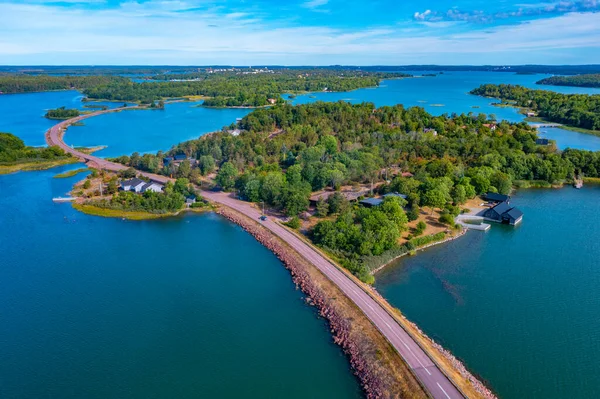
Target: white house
152, 186
134, 185
140, 186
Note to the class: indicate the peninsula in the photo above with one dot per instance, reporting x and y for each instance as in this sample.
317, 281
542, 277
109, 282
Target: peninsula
423, 363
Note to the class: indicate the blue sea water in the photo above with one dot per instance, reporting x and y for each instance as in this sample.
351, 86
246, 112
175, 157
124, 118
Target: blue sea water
95, 307
187, 307
519, 305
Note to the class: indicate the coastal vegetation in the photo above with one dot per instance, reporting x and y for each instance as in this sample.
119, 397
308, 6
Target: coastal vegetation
62, 113
70, 173
169, 201
238, 89
587, 80
286, 153
577, 110
16, 156
24, 83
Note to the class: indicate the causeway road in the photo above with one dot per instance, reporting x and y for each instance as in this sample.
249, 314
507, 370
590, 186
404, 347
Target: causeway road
435, 382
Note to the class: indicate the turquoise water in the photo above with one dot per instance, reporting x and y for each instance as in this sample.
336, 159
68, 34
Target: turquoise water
445, 93
23, 114
150, 130
518, 305
108, 308
567, 138
183, 308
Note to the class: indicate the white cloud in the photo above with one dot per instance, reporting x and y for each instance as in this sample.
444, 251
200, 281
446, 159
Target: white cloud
152, 34
315, 4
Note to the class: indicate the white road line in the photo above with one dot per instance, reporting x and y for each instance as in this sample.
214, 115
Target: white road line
445, 393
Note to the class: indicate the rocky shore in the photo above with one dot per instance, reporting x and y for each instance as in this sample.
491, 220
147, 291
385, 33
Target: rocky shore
378, 380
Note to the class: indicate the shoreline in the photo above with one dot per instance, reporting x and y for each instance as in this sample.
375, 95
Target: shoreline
381, 336
363, 363
424, 247
93, 210
34, 166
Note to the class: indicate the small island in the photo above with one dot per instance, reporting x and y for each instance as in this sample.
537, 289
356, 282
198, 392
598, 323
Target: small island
585, 80
62, 113
580, 112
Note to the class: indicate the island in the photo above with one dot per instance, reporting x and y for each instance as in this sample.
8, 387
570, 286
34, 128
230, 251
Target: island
576, 111
364, 183
586, 80
238, 88
62, 113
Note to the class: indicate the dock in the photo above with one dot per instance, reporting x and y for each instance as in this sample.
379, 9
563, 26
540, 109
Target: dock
472, 222
63, 199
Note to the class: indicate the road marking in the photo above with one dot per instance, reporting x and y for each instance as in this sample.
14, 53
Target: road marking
445, 393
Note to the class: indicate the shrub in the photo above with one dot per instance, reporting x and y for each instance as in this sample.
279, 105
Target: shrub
293, 223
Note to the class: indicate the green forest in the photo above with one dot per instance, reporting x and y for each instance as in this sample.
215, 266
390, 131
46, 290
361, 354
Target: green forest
285, 153
577, 110
588, 80
22, 83
13, 150
239, 89
62, 113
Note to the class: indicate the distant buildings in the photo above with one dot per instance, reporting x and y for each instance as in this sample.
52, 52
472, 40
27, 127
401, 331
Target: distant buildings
430, 130
140, 186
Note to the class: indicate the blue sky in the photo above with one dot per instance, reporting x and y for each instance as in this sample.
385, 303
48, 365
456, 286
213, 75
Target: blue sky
298, 32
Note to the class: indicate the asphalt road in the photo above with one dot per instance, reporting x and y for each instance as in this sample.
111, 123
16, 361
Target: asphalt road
436, 383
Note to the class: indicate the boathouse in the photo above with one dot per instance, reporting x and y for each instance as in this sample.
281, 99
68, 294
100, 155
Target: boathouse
504, 213
496, 198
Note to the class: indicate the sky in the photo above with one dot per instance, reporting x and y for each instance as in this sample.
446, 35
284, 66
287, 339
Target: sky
298, 32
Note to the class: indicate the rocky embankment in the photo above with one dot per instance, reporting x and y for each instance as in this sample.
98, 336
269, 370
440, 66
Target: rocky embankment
377, 380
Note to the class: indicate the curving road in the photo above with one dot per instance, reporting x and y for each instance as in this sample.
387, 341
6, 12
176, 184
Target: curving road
436, 383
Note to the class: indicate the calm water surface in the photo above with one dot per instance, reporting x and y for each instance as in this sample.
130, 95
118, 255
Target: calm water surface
519, 305
23, 114
195, 307
188, 307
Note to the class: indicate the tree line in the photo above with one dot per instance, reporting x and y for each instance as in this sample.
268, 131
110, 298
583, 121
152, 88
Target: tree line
578, 110
22, 83
587, 80
285, 153
238, 89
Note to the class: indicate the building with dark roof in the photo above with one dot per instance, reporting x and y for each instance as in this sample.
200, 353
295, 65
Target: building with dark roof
371, 202
495, 197
504, 213
542, 141
403, 196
